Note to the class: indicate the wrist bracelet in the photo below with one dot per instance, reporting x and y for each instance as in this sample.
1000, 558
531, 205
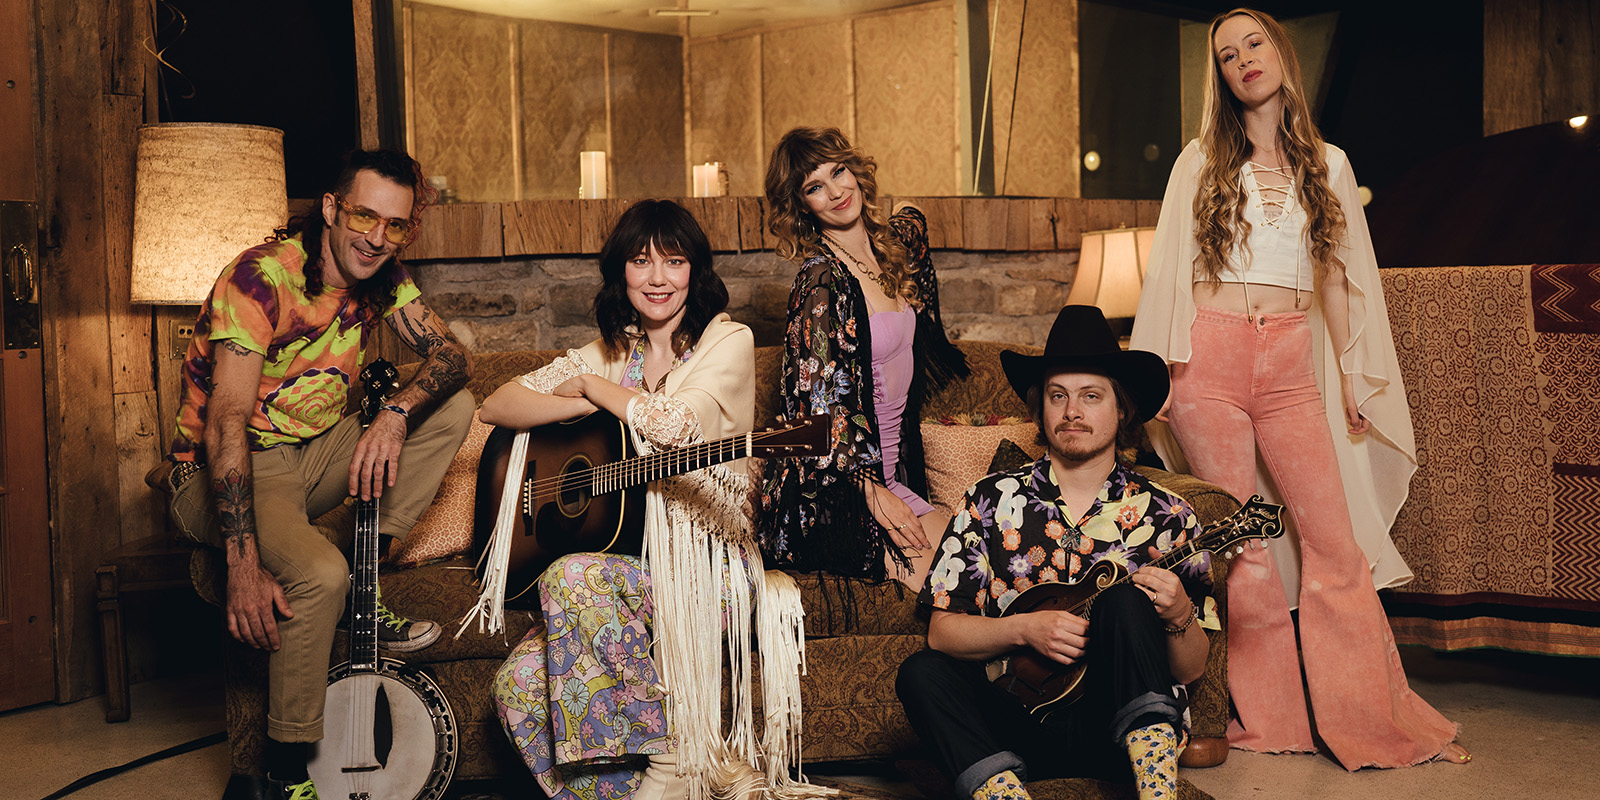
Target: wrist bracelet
396, 409
1194, 614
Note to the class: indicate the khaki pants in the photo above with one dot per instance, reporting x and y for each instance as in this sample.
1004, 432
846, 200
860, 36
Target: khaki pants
294, 484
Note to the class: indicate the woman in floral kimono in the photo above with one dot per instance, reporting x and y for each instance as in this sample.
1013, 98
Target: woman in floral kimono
864, 345
1261, 217
582, 696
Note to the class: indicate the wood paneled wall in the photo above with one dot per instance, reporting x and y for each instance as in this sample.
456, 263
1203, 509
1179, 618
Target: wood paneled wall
1035, 108
102, 422
460, 83
1541, 62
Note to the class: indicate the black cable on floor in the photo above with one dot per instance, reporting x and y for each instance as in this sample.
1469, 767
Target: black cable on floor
175, 750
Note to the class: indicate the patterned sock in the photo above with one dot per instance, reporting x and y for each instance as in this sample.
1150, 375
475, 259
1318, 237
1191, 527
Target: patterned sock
1153, 751
1003, 786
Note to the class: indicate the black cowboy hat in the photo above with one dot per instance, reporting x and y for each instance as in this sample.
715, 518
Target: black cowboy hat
1081, 338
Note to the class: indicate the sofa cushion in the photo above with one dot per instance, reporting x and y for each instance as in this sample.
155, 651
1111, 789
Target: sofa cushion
958, 455
445, 528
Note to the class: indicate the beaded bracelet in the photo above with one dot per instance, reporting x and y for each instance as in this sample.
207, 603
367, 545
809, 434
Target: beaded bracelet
1194, 614
396, 409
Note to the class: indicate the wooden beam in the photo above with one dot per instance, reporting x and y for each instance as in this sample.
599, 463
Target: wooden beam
752, 223
138, 426
460, 230
366, 74
128, 324
983, 223
1041, 214
596, 219
720, 218
541, 227
77, 350
1512, 65
1070, 222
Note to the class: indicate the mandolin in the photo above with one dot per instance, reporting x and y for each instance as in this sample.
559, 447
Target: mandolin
582, 485
1044, 684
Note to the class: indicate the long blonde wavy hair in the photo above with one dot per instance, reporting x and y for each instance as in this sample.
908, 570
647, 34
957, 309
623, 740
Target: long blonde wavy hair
796, 156
1219, 204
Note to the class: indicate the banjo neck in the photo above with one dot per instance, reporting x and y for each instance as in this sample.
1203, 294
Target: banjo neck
364, 589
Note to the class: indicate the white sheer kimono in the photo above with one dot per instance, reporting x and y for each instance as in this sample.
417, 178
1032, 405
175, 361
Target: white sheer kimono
1377, 466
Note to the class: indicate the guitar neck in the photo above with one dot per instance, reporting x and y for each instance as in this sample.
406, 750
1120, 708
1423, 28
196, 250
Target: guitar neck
644, 469
364, 589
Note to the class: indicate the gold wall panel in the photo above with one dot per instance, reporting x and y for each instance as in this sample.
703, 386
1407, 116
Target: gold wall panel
1036, 144
806, 77
461, 100
905, 81
725, 110
647, 153
563, 81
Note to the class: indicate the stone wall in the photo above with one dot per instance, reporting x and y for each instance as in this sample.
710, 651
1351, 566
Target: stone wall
544, 302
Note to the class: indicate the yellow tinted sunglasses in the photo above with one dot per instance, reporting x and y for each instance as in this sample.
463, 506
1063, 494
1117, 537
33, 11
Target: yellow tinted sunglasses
362, 220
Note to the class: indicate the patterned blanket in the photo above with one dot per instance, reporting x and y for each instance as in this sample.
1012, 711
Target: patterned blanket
1502, 528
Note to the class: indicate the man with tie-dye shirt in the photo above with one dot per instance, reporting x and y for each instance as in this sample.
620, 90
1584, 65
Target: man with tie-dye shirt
263, 445
1050, 521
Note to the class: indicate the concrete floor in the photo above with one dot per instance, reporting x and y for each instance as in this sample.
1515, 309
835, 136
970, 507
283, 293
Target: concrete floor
1532, 723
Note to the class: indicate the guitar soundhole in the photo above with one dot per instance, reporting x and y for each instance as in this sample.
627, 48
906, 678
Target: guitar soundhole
573, 499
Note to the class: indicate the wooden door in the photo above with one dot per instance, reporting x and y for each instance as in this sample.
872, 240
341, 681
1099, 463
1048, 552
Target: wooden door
27, 654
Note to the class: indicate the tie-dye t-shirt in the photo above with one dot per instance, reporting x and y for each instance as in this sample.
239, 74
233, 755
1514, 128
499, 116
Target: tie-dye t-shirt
313, 347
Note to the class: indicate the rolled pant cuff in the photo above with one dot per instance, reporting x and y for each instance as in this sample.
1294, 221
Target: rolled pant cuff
975, 776
281, 731
1148, 703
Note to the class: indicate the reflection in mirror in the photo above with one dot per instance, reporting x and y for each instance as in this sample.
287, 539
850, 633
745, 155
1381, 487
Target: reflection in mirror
501, 96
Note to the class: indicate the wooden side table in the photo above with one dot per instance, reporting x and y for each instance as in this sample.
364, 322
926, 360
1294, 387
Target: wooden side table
155, 563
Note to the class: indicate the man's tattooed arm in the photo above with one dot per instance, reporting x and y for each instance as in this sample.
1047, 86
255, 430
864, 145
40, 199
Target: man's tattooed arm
236, 514
448, 366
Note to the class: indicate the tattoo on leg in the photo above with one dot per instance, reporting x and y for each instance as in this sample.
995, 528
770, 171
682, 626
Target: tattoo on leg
236, 515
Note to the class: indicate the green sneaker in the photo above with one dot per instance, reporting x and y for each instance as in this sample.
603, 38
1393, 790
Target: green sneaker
400, 635
305, 790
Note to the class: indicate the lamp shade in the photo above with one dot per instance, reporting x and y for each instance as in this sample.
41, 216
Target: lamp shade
1111, 268
204, 193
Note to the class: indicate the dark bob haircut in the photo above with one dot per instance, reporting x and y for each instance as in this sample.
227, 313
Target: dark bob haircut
671, 230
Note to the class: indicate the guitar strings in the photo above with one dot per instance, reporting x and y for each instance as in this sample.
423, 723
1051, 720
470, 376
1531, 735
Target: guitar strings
618, 475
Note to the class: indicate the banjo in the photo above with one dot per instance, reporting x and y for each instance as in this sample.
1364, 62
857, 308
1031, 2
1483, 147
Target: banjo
388, 732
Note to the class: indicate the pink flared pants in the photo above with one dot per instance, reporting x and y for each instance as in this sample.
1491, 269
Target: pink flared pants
1250, 384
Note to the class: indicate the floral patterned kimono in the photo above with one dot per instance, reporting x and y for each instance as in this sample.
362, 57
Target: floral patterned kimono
581, 696
814, 514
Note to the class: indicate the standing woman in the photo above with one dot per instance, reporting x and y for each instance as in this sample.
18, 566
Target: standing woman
1260, 217
864, 344
628, 664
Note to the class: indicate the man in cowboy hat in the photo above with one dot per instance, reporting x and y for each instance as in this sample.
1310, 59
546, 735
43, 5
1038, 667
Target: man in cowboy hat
1048, 522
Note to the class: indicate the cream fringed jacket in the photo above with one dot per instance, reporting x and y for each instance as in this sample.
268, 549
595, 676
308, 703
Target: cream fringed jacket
709, 589
1376, 467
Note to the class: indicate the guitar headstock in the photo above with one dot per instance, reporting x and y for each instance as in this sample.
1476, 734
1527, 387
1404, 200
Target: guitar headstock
806, 436
1256, 519
379, 381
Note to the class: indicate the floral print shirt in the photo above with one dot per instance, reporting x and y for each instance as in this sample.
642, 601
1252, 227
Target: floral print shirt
1014, 533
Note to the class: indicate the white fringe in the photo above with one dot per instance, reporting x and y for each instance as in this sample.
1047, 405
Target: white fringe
490, 609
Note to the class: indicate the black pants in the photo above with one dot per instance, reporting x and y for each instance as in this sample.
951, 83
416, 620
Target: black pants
978, 730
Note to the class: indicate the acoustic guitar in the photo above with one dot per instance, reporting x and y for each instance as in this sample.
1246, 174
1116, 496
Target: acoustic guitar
582, 489
388, 732
1044, 684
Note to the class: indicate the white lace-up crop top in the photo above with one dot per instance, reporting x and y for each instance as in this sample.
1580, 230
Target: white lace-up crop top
1276, 254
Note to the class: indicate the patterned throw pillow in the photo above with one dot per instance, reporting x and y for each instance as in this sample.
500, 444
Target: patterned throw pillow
445, 529
958, 455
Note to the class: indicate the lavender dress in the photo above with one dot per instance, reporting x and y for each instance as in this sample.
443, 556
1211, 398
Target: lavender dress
893, 366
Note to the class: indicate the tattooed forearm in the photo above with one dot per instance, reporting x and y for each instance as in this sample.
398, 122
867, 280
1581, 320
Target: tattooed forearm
422, 334
236, 514
235, 348
445, 373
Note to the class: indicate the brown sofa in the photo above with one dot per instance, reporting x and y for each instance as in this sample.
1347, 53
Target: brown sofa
850, 708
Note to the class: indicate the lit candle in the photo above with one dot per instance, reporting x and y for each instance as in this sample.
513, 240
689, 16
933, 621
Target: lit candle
705, 180
592, 168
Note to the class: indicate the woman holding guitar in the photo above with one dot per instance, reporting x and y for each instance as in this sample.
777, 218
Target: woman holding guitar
675, 370
864, 344
1262, 216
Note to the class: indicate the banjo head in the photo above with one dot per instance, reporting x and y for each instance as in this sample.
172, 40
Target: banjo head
386, 734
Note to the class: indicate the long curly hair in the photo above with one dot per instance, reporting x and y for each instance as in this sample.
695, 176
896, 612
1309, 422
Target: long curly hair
796, 156
671, 230
1219, 204
377, 293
